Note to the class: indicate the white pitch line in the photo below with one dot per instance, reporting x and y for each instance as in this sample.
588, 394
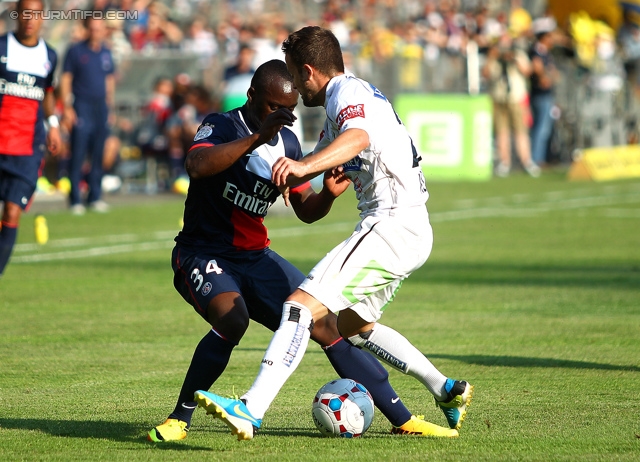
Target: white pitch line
80, 241
164, 239
93, 252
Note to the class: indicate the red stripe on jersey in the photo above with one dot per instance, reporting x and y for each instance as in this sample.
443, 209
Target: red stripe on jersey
201, 145
18, 118
301, 187
249, 233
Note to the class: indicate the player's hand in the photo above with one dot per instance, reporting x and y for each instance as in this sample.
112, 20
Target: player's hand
54, 142
285, 169
284, 190
69, 118
274, 122
335, 181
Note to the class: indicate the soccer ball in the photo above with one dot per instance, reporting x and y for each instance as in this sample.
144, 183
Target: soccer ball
342, 407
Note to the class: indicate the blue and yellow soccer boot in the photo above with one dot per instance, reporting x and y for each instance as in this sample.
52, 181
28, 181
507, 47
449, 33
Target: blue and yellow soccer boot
170, 430
418, 426
232, 412
459, 396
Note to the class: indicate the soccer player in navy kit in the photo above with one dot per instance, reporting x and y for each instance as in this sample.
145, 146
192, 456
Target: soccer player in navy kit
27, 65
222, 262
357, 280
88, 75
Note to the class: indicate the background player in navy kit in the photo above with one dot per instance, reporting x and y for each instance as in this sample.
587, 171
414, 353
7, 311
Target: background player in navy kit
88, 75
222, 262
27, 65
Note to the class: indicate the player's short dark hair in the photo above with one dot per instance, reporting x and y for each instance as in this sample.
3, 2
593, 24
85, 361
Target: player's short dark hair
273, 71
19, 4
317, 47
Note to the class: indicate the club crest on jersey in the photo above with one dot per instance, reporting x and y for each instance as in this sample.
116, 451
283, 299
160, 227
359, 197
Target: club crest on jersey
204, 132
350, 112
354, 165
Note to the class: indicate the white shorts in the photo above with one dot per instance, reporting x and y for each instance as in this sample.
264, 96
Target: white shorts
364, 272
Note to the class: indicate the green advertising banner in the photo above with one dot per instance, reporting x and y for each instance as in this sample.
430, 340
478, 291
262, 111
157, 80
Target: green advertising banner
452, 133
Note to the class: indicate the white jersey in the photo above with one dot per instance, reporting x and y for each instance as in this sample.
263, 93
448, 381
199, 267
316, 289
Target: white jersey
386, 176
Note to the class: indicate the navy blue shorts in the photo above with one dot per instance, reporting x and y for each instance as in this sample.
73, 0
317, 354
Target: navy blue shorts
262, 277
18, 178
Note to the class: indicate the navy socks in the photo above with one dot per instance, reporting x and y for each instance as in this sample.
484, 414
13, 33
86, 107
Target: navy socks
209, 361
8, 236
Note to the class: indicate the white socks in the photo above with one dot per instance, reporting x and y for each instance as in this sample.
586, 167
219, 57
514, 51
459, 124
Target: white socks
394, 349
282, 357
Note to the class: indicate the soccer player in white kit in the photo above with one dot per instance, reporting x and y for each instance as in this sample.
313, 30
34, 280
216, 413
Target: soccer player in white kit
364, 138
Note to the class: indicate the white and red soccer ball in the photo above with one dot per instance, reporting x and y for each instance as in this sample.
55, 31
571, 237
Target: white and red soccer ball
342, 407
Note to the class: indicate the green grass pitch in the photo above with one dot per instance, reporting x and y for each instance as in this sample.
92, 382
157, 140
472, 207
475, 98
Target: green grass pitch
532, 293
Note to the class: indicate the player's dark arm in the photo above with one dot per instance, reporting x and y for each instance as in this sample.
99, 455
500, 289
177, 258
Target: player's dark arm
49, 104
211, 160
54, 142
310, 206
110, 86
66, 96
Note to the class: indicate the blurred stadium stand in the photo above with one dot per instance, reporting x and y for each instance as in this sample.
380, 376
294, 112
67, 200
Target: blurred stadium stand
597, 103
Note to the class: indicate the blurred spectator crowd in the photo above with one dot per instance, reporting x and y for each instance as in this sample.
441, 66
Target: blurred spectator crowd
227, 40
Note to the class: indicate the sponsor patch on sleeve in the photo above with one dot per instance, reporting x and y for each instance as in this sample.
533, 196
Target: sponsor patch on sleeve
349, 112
204, 132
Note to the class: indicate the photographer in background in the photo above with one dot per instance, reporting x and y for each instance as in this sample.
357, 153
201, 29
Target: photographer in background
544, 76
506, 72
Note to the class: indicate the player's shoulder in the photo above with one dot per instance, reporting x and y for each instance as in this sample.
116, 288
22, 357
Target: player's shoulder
218, 119
349, 90
216, 125
51, 51
76, 46
350, 84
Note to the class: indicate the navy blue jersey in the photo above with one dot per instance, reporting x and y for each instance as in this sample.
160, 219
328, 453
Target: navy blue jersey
26, 73
538, 51
89, 69
225, 212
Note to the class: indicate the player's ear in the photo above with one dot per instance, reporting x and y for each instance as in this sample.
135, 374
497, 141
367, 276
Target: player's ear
250, 94
307, 72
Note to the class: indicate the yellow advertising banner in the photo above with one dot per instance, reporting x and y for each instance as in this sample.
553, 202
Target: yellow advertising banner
609, 11
602, 164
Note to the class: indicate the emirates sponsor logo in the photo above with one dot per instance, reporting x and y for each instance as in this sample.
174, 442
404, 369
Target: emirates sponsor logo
21, 89
350, 112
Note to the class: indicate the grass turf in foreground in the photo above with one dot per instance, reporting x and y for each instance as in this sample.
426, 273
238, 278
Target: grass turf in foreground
532, 293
